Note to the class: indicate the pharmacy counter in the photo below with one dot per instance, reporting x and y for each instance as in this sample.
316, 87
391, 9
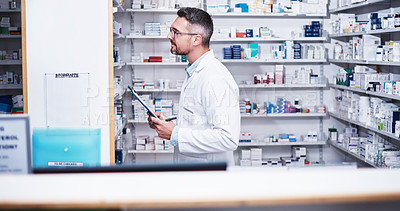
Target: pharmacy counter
231, 189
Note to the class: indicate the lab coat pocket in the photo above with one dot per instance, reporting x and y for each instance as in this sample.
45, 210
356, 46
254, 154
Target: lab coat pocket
193, 115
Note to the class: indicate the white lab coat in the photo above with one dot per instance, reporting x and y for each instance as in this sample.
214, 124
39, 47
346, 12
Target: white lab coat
209, 116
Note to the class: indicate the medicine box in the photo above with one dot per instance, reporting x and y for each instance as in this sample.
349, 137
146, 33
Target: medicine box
140, 147
256, 153
246, 154
245, 162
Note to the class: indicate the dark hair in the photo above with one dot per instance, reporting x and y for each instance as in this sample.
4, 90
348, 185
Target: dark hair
200, 18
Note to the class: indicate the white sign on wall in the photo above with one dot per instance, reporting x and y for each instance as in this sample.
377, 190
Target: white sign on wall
15, 150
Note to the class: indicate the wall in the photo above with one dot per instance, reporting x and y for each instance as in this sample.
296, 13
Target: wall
69, 36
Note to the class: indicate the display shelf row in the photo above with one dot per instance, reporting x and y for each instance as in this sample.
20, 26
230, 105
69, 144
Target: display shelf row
299, 115
390, 135
243, 86
352, 154
273, 86
378, 31
297, 143
254, 39
357, 5
358, 90
274, 115
364, 62
248, 61
9, 36
133, 151
231, 14
348, 152
10, 86
10, 62
10, 10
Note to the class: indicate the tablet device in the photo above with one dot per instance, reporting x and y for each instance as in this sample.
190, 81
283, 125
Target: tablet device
142, 102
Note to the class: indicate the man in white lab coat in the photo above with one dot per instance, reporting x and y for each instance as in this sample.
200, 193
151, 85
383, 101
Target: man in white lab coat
208, 124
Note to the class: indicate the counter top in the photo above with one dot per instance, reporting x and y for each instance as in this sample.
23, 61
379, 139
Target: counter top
233, 188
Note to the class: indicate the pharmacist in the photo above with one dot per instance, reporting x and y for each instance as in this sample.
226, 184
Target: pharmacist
208, 123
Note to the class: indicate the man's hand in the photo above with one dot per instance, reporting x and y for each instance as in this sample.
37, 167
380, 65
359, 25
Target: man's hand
164, 129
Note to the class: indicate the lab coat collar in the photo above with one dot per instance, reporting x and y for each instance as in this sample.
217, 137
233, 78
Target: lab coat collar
203, 62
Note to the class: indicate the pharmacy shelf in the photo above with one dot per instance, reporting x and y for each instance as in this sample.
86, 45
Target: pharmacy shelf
365, 62
376, 94
347, 88
157, 90
10, 10
271, 39
297, 143
133, 121
297, 115
273, 86
119, 65
10, 86
274, 61
157, 63
283, 115
348, 61
118, 35
378, 31
269, 15
352, 154
146, 37
390, 135
356, 5
150, 151
231, 61
253, 115
152, 10
259, 39
10, 62
9, 36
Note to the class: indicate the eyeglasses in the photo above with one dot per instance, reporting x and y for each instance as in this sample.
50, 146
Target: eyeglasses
173, 32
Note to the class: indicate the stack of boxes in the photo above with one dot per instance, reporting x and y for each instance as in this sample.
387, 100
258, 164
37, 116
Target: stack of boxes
152, 29
297, 51
139, 84
312, 136
10, 78
236, 52
157, 144
280, 105
313, 30
164, 106
245, 137
279, 74
299, 154
228, 53
139, 112
374, 148
288, 46
251, 157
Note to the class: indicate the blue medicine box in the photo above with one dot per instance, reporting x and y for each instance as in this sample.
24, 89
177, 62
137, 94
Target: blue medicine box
66, 147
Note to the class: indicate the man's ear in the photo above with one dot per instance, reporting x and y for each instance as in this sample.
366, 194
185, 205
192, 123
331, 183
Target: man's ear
198, 39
